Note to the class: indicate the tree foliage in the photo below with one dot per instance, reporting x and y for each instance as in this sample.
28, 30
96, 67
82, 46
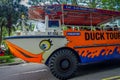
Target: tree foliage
111, 4
11, 11
105, 4
38, 2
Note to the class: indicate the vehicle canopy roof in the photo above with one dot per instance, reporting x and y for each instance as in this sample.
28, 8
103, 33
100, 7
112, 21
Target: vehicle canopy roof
74, 15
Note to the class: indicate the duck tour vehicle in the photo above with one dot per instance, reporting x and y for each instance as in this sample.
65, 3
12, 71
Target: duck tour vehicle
71, 35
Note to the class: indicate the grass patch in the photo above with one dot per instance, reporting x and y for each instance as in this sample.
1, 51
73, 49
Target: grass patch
11, 61
4, 59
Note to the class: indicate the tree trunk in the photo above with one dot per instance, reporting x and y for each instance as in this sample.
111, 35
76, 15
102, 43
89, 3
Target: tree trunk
1, 35
9, 24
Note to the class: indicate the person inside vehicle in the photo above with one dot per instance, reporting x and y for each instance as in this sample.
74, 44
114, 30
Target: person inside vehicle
116, 28
108, 28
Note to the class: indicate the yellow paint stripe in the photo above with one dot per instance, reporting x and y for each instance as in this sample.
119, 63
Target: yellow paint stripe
112, 78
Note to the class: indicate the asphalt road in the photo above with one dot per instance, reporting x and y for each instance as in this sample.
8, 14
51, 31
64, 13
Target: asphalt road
31, 71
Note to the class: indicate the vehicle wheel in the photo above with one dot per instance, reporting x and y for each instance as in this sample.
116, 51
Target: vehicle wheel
63, 63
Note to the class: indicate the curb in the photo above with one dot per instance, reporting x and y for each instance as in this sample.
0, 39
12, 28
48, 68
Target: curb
16, 62
9, 64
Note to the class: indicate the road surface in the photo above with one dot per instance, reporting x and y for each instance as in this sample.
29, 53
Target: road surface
33, 71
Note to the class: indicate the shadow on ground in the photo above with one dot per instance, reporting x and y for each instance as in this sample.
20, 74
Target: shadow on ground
97, 67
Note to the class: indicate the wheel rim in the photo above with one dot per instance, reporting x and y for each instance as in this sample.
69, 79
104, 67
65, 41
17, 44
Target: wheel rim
65, 64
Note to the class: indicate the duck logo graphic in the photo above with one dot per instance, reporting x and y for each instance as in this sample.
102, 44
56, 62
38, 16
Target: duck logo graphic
45, 45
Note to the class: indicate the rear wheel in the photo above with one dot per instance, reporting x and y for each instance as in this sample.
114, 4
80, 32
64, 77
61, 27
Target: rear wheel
63, 63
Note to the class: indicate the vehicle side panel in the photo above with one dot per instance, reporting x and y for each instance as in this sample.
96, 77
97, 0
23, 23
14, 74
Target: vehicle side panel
94, 46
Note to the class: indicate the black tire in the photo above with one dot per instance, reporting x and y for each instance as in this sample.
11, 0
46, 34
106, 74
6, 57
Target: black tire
63, 64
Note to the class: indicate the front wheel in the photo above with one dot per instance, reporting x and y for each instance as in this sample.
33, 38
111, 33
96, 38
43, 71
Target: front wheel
63, 63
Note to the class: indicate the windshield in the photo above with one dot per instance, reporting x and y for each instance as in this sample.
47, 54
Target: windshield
39, 26
53, 24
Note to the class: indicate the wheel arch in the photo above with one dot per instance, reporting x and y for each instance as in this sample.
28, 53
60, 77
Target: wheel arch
75, 52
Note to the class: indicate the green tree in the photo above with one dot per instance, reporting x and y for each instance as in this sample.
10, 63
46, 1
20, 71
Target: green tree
11, 11
111, 4
104, 4
92, 3
37, 2
3, 22
74, 2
